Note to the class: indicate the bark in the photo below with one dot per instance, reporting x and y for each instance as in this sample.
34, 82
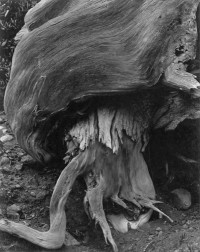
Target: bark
100, 76
103, 48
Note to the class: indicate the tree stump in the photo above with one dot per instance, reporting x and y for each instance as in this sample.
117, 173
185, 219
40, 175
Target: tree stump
93, 79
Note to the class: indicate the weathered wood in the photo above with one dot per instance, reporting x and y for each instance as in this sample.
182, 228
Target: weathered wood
107, 126
94, 78
55, 237
102, 47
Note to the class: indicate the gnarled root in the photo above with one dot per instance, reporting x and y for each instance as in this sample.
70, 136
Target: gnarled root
123, 178
94, 196
55, 236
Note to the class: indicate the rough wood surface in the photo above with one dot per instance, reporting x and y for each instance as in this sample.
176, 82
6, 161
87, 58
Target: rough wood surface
96, 77
102, 48
107, 126
55, 237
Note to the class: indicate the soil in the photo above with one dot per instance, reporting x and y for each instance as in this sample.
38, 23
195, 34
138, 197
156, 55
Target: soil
26, 187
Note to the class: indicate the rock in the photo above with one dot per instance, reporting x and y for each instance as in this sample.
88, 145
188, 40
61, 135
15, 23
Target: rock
158, 229
6, 138
6, 169
181, 198
188, 222
32, 215
5, 161
18, 167
12, 212
14, 208
13, 216
26, 159
21, 154
2, 120
4, 130
32, 193
3, 193
150, 237
40, 195
45, 227
17, 186
27, 222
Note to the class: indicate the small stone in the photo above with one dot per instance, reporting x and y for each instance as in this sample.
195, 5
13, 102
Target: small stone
33, 193
26, 222
158, 229
6, 138
185, 226
1, 127
29, 217
2, 120
4, 161
4, 131
188, 222
26, 159
21, 154
18, 167
6, 169
13, 208
150, 237
13, 216
181, 198
160, 233
40, 195
17, 186
32, 215
45, 227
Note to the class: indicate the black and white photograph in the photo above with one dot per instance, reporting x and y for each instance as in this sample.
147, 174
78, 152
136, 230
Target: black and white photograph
100, 125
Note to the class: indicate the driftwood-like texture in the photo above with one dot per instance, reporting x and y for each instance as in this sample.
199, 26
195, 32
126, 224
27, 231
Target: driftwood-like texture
93, 79
71, 50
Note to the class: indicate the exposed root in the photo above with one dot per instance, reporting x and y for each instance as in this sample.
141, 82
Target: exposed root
149, 204
55, 236
119, 171
111, 160
95, 199
119, 176
117, 200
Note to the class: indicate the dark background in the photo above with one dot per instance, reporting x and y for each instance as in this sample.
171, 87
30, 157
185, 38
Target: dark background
12, 14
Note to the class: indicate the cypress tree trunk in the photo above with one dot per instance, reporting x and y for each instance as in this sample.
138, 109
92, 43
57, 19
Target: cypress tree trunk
128, 60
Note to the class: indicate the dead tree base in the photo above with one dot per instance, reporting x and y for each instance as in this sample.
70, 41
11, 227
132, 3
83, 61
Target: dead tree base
116, 169
106, 148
